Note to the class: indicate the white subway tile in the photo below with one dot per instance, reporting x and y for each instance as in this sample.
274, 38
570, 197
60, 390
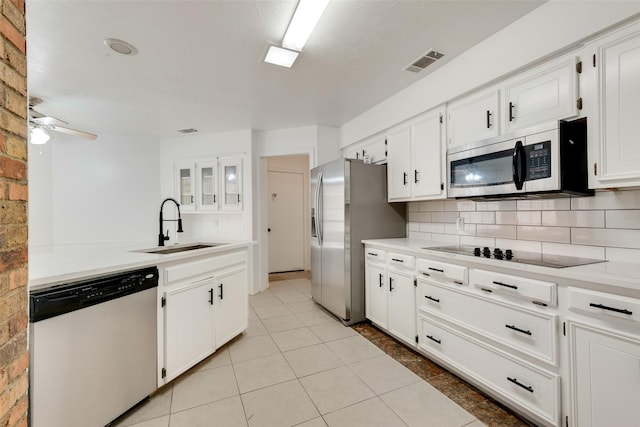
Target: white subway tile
444, 216
413, 206
416, 235
432, 227
414, 226
432, 206
545, 204
544, 234
623, 219
606, 237
519, 245
628, 199
459, 205
478, 241
596, 252
518, 218
592, 219
419, 216
445, 238
623, 255
502, 205
469, 229
499, 231
479, 217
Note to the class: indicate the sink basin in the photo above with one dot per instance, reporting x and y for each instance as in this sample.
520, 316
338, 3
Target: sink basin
176, 249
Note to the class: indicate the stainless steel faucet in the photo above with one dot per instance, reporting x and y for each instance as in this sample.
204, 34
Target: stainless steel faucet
161, 236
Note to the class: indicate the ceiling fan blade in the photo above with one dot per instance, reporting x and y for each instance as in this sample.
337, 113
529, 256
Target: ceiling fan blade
35, 114
73, 132
48, 120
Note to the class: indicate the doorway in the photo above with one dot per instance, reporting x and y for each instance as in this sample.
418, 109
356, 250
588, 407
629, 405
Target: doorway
288, 203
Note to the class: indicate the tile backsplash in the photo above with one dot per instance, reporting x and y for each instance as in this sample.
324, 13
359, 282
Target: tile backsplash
605, 226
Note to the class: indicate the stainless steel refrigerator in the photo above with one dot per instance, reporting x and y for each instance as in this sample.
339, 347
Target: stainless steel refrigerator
348, 204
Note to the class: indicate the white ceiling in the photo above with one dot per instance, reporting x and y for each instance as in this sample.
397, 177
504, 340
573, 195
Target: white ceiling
200, 62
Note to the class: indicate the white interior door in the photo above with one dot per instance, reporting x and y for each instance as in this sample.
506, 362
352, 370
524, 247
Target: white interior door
286, 216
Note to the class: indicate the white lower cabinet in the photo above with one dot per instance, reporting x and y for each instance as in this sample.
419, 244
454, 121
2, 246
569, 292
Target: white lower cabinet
536, 391
204, 305
390, 294
605, 373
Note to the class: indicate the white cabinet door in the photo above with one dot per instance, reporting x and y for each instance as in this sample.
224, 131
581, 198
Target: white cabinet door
376, 289
231, 308
402, 306
231, 183
427, 156
374, 148
546, 93
606, 378
473, 118
189, 328
185, 176
620, 110
207, 188
399, 163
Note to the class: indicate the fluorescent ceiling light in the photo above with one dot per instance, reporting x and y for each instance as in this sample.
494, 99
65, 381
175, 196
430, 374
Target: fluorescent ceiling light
303, 22
38, 136
282, 57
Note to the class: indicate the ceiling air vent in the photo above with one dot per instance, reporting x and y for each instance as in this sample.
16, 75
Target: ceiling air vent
189, 130
424, 61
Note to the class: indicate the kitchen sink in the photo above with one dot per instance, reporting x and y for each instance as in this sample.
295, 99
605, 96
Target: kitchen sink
173, 250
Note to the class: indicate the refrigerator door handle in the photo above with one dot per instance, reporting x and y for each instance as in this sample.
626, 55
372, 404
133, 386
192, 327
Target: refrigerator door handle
319, 218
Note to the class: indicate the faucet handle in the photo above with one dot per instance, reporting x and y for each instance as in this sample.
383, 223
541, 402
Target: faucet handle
167, 236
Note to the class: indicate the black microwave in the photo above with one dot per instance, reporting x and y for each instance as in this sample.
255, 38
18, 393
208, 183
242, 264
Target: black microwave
546, 161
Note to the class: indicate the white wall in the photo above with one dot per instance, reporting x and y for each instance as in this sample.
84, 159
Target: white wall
218, 226
102, 191
555, 26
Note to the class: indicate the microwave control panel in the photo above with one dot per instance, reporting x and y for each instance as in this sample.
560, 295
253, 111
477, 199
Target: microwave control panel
538, 160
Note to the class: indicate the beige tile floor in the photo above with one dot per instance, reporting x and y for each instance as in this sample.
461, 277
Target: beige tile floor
297, 366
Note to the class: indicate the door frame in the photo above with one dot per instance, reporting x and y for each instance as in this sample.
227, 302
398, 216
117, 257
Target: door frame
261, 280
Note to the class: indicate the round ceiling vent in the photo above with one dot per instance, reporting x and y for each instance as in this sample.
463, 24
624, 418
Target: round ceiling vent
121, 46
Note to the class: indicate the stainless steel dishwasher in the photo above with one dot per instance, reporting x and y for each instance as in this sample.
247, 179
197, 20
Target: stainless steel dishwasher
93, 349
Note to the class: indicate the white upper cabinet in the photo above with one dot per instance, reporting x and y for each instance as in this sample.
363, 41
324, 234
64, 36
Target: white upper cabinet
473, 118
185, 176
374, 149
207, 178
618, 64
209, 185
231, 180
416, 159
545, 93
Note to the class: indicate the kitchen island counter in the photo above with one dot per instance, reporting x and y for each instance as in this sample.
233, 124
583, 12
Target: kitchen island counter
63, 264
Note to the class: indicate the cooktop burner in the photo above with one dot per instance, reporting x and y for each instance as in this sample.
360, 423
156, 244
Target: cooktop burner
545, 260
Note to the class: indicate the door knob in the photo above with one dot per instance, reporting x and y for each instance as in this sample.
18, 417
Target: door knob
268, 230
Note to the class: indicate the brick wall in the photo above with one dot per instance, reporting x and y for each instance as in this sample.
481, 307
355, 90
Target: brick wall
14, 358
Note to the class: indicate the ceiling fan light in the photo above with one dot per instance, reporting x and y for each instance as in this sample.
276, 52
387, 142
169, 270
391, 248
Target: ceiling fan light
38, 136
304, 20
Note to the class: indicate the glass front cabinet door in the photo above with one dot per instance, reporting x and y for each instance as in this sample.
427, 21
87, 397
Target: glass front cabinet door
231, 180
207, 173
185, 185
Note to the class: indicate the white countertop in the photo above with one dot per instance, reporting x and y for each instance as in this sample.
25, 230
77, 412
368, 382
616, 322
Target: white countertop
51, 266
620, 274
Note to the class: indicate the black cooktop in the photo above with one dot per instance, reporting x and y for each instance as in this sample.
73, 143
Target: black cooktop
508, 255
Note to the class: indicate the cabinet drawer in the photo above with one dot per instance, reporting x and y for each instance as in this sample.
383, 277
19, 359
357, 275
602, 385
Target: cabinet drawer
530, 332
374, 254
600, 303
519, 287
535, 390
440, 270
403, 261
202, 266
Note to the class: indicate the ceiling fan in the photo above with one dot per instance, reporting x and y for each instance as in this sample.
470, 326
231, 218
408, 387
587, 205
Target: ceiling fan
40, 125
